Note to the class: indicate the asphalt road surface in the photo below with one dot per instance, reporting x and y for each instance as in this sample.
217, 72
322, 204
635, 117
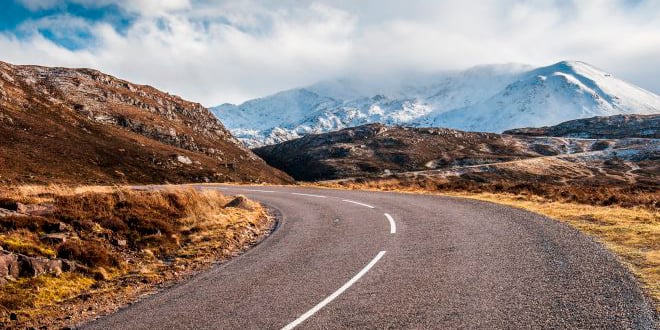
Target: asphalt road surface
355, 259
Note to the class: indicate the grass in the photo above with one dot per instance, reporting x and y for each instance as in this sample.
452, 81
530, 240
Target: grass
25, 242
26, 295
165, 234
631, 230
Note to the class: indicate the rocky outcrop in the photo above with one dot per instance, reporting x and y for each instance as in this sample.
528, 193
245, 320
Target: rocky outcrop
609, 127
33, 266
9, 265
18, 265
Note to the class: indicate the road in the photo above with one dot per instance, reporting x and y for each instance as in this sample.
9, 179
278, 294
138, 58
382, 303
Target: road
356, 259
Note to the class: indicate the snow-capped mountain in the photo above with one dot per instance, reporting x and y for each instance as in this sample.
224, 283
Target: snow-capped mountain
489, 98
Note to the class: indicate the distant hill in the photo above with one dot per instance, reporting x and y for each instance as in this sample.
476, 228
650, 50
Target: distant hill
83, 126
487, 98
375, 150
609, 127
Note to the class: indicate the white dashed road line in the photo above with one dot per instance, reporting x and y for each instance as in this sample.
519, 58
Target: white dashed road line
301, 194
392, 223
335, 294
358, 203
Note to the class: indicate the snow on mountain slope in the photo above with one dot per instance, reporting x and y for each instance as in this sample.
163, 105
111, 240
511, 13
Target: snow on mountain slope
489, 98
549, 96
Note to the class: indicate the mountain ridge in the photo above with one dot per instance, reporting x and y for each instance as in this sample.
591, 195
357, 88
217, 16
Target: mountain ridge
608, 127
489, 98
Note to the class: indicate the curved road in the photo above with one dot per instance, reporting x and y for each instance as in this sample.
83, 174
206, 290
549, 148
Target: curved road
338, 261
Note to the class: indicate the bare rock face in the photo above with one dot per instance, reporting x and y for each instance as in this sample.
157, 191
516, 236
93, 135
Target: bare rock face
610, 127
18, 265
81, 125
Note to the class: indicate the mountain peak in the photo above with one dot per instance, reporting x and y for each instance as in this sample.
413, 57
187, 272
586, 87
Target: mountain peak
489, 98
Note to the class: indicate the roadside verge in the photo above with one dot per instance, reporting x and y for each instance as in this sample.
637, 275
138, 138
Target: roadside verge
631, 233
118, 244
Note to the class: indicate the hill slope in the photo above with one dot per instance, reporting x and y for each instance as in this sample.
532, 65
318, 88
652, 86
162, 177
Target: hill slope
80, 125
374, 150
609, 127
488, 98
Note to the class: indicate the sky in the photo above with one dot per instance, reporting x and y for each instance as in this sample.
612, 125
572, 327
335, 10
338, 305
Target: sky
215, 51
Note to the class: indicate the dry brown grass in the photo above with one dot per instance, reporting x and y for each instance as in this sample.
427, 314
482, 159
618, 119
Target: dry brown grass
602, 193
45, 194
168, 233
632, 233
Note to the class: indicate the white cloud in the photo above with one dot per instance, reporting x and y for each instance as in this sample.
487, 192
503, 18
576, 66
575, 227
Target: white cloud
155, 7
228, 51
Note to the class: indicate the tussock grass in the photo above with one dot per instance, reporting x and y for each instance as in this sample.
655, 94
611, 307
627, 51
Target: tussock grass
26, 295
25, 242
603, 193
164, 234
34, 194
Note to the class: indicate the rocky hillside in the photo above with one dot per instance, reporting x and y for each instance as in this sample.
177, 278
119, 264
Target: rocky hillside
83, 126
608, 127
375, 149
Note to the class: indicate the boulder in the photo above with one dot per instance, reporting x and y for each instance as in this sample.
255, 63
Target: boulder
54, 239
33, 267
21, 208
184, 160
9, 265
240, 202
37, 209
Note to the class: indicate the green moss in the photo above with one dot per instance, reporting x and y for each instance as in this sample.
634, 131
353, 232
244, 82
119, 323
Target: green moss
26, 247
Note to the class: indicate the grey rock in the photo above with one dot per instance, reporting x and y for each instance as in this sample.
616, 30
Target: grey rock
9, 265
240, 202
56, 238
34, 266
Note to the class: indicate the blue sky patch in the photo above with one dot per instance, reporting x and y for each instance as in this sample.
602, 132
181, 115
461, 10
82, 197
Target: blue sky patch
22, 22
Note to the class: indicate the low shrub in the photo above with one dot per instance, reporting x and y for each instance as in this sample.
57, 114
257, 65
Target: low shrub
88, 253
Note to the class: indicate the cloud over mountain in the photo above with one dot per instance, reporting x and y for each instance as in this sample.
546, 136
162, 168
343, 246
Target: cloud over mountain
230, 51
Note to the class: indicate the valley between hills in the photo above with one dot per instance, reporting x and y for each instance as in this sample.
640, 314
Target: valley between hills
114, 193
